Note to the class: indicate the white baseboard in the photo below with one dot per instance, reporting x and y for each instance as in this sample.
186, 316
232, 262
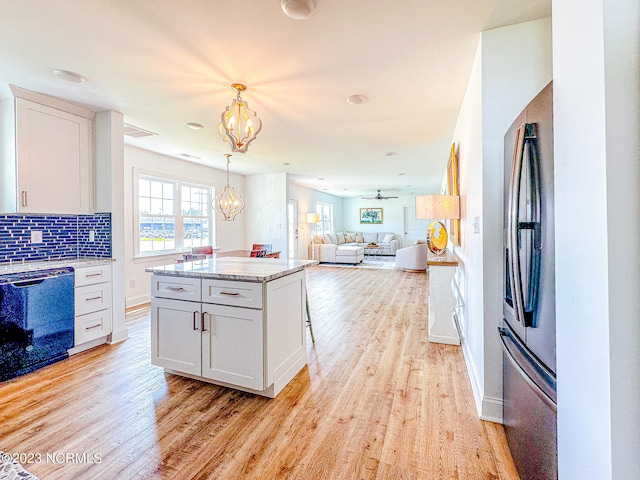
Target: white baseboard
488, 408
137, 300
476, 385
119, 335
492, 409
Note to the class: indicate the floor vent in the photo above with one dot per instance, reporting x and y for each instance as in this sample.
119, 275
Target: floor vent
137, 132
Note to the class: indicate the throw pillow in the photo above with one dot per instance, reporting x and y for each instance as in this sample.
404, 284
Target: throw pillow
387, 238
326, 238
349, 237
340, 238
359, 238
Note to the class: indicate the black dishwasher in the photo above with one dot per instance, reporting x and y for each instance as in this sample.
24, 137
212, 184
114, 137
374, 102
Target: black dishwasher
36, 319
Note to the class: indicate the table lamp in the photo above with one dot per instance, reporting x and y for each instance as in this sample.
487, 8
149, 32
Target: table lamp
313, 218
437, 207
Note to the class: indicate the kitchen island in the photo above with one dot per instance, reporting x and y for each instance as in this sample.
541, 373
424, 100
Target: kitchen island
233, 321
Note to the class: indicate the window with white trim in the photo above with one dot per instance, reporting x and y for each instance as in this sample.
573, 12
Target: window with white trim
326, 218
173, 215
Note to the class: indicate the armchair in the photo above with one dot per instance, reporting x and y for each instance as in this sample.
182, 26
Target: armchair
413, 258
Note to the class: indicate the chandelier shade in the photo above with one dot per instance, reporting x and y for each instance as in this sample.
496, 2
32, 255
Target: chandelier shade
239, 124
228, 203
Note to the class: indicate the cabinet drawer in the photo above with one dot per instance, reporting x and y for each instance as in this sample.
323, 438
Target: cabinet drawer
92, 275
235, 294
91, 326
177, 288
92, 298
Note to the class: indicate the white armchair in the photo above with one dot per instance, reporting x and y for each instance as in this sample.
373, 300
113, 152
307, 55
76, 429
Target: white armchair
413, 258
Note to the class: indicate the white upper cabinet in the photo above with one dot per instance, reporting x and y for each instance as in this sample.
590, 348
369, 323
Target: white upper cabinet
47, 158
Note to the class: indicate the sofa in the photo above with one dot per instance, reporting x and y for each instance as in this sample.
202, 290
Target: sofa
331, 247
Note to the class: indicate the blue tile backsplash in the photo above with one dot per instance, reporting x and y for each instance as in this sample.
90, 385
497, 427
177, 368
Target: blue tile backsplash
63, 237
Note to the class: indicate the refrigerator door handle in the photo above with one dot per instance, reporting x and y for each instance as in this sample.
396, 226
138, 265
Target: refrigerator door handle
512, 224
533, 262
525, 376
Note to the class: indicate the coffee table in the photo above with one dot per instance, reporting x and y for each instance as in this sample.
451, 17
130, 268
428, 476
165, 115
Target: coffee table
373, 251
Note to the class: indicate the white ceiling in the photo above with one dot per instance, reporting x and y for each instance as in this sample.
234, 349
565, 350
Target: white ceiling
164, 63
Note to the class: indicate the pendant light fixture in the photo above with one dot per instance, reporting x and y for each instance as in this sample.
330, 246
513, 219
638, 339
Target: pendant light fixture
228, 203
239, 125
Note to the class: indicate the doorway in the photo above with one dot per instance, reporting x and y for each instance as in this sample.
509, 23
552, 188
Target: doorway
413, 229
292, 229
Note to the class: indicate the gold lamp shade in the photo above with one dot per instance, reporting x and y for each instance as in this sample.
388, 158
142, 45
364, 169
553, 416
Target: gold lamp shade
436, 207
313, 217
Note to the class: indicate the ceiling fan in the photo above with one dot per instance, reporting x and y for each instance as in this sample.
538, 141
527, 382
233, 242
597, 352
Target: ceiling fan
378, 196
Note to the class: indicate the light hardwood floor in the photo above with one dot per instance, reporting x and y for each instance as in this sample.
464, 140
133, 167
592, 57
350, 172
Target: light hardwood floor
377, 401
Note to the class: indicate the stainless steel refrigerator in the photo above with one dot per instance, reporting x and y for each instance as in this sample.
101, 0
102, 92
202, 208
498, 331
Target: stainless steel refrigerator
528, 329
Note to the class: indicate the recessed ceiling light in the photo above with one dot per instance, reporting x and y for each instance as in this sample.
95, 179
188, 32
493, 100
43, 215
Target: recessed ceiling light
356, 99
345, 189
401, 174
68, 76
321, 179
298, 9
285, 163
388, 154
195, 126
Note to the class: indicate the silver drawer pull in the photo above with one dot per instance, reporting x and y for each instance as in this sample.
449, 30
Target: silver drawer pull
176, 289
93, 275
92, 299
231, 294
94, 326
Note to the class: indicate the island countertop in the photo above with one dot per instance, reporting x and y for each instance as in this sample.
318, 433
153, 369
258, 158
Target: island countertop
235, 268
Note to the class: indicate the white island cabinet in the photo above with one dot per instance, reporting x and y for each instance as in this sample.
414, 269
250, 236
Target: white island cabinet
236, 322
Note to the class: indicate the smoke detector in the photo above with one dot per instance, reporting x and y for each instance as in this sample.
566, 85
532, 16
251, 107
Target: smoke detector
298, 9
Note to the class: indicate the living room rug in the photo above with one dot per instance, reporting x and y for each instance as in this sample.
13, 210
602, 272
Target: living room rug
386, 263
10, 469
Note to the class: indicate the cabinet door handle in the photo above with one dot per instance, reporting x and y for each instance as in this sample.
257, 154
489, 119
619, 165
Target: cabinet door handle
24, 198
89, 275
176, 289
202, 321
195, 325
231, 294
94, 326
92, 299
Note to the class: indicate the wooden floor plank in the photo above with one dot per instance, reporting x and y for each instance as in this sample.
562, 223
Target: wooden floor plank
376, 401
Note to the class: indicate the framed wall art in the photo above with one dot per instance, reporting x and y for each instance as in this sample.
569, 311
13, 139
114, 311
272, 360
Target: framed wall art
453, 188
371, 215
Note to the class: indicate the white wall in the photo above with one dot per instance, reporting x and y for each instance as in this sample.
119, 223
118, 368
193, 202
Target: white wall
109, 198
307, 199
266, 217
512, 65
392, 213
229, 235
597, 148
468, 140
